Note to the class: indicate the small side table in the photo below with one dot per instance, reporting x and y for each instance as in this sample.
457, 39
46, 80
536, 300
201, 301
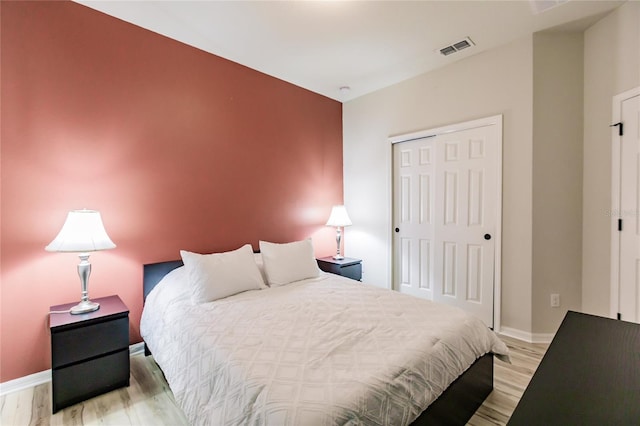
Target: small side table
89, 352
347, 267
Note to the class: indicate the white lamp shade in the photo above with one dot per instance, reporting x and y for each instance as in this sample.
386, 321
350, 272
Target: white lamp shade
82, 232
339, 217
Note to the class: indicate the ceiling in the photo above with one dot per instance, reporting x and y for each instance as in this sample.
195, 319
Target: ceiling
365, 45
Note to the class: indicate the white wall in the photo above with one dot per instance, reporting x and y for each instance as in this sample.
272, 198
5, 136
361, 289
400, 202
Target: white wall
612, 66
557, 176
495, 82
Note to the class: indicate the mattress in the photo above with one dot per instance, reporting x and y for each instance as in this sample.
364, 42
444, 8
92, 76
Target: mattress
322, 351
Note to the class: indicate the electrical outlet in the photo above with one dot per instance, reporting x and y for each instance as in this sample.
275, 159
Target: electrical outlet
555, 300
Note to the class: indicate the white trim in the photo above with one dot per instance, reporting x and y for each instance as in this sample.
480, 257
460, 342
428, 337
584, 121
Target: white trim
136, 349
496, 120
36, 379
527, 336
497, 269
390, 266
616, 140
452, 128
25, 382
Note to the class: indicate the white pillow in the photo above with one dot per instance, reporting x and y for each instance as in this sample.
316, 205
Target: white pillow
218, 275
288, 262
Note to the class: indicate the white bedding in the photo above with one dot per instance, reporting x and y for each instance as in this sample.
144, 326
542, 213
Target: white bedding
325, 351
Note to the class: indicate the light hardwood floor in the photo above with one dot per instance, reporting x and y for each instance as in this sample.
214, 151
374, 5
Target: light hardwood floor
149, 401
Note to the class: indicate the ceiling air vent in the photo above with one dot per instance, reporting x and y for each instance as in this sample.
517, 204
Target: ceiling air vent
456, 47
539, 6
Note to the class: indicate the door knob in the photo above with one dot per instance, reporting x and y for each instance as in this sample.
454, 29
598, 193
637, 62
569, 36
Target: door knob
487, 236
397, 229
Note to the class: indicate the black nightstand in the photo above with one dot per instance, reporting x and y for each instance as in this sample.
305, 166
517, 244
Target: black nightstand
347, 267
89, 352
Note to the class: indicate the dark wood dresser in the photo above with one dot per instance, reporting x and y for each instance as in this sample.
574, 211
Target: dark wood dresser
89, 352
590, 375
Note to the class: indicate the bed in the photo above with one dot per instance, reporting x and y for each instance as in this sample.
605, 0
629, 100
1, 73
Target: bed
322, 350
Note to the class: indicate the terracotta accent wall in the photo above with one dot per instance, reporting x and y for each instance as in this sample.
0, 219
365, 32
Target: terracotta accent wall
177, 148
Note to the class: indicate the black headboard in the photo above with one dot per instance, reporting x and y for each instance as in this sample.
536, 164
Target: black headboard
154, 272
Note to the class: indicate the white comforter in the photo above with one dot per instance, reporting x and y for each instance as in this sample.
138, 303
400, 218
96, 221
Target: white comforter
327, 351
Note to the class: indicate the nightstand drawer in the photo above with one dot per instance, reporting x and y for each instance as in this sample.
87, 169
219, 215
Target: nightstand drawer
90, 378
81, 343
352, 271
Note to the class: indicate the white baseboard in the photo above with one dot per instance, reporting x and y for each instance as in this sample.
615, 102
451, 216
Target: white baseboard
136, 348
36, 379
25, 382
527, 336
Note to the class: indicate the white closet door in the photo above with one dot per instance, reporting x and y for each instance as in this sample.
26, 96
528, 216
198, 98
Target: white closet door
465, 220
413, 212
446, 209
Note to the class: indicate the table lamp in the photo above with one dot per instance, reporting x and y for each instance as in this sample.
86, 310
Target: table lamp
82, 232
338, 218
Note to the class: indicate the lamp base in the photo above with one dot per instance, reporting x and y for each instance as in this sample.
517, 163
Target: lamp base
338, 257
85, 306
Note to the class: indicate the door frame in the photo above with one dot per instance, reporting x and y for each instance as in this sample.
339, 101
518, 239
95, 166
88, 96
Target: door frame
614, 213
452, 128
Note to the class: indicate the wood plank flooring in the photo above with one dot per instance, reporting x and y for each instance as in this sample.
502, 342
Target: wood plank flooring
149, 401
509, 382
